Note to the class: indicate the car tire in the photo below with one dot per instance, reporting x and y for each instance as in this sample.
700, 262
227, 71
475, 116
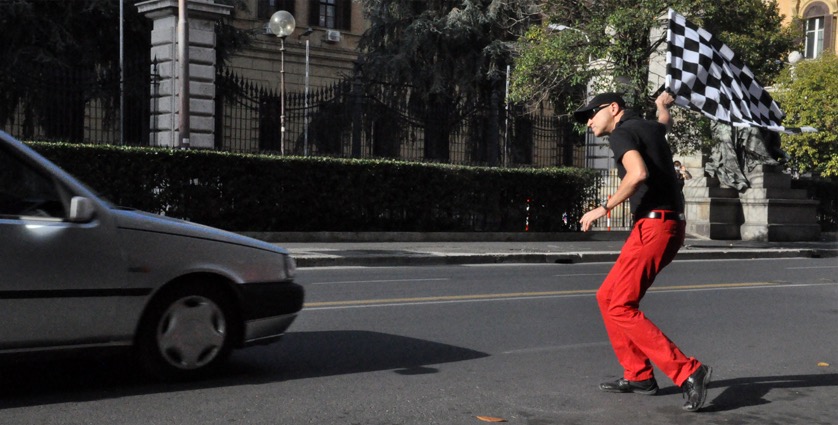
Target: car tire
187, 332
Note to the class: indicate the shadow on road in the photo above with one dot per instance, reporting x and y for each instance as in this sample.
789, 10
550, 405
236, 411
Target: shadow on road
317, 354
298, 356
745, 392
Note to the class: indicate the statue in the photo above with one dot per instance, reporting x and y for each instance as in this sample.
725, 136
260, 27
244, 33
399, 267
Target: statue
738, 149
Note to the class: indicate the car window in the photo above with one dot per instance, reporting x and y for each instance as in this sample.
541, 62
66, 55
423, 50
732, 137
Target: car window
26, 191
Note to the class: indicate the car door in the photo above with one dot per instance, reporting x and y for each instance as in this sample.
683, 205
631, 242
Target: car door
60, 282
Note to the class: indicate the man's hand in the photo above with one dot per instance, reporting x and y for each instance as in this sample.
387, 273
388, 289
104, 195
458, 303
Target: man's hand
591, 216
664, 100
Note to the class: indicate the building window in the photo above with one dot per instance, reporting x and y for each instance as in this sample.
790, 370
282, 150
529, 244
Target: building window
332, 14
819, 29
266, 8
326, 13
814, 37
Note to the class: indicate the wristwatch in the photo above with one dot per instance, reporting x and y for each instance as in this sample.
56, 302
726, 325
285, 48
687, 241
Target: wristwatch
604, 204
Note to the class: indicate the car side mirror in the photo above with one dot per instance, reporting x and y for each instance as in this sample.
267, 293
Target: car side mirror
82, 210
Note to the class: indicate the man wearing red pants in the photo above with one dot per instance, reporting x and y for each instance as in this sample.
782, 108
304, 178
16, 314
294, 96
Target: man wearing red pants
647, 179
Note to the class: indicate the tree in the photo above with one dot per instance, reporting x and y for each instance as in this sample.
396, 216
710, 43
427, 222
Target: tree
554, 60
46, 43
807, 92
754, 30
442, 53
56, 54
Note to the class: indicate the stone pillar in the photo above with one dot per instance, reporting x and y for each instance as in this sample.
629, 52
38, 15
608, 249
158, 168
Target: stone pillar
712, 211
774, 211
165, 102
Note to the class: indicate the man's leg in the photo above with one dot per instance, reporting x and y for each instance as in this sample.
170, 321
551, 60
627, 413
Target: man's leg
636, 340
636, 365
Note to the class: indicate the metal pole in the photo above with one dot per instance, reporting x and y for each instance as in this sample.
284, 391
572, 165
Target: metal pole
305, 131
357, 111
183, 62
121, 74
282, 96
506, 121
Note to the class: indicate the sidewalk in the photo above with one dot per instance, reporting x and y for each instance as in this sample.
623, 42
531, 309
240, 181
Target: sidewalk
411, 249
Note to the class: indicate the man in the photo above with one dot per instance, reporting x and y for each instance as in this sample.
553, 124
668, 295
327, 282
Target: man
682, 175
647, 179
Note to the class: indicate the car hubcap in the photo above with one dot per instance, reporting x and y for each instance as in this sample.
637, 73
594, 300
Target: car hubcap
191, 332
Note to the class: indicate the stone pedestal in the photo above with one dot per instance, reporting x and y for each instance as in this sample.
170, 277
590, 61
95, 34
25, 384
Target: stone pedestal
712, 211
775, 212
165, 102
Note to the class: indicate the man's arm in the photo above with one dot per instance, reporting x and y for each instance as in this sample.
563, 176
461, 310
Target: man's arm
663, 102
636, 174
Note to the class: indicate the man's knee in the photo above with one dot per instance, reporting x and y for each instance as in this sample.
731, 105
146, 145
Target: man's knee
622, 313
602, 299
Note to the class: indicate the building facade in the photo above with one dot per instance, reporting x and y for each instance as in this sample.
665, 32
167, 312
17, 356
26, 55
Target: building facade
818, 18
328, 30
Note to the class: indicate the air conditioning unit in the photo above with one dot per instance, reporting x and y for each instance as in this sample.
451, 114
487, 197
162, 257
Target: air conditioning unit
332, 36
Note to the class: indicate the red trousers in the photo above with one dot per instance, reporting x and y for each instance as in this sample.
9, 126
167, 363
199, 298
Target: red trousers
637, 342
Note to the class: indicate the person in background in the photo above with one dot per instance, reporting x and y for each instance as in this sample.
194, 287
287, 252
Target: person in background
681, 173
648, 180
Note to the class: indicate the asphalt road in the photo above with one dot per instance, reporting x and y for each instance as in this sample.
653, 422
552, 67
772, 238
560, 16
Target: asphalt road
444, 345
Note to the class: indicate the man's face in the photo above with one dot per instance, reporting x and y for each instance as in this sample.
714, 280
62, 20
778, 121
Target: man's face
601, 119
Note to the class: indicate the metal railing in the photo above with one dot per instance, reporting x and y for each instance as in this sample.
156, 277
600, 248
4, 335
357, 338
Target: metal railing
57, 104
619, 218
350, 118
354, 118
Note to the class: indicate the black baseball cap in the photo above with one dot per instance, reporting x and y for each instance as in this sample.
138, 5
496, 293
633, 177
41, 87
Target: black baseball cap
582, 114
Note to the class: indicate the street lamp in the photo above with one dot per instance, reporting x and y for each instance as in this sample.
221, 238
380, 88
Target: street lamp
282, 24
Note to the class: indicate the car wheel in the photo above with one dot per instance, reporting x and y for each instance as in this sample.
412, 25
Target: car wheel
187, 332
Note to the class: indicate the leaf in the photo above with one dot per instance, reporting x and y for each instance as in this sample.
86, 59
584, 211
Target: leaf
823, 364
490, 419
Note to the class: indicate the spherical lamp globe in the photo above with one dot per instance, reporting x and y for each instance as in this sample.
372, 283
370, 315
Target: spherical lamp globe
282, 24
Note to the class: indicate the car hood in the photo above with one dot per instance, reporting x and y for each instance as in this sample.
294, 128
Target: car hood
147, 222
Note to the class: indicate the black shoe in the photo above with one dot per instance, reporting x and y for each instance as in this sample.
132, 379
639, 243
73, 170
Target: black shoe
695, 388
622, 385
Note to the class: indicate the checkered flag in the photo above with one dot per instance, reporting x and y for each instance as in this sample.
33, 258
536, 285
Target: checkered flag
704, 75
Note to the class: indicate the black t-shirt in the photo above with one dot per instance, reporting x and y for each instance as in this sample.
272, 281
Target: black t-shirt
660, 191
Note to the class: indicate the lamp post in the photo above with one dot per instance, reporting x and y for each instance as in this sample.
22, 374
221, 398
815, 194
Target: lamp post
282, 24
305, 34
183, 68
121, 73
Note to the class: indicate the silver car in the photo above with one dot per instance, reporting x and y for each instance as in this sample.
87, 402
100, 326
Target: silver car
77, 272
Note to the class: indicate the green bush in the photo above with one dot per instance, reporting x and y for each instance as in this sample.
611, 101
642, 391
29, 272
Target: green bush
825, 190
269, 193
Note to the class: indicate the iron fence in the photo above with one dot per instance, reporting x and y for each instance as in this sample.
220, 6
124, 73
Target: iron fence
80, 106
350, 118
355, 118
619, 218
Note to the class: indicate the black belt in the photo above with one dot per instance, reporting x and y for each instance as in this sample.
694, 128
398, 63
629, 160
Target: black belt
665, 215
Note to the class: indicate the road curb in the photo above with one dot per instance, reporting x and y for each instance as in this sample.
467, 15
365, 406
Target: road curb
438, 259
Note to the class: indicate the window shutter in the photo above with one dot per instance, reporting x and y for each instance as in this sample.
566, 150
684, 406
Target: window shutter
266, 8
344, 13
313, 13
262, 11
289, 6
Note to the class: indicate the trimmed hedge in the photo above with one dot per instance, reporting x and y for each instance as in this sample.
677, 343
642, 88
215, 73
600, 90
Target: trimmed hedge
825, 190
242, 192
